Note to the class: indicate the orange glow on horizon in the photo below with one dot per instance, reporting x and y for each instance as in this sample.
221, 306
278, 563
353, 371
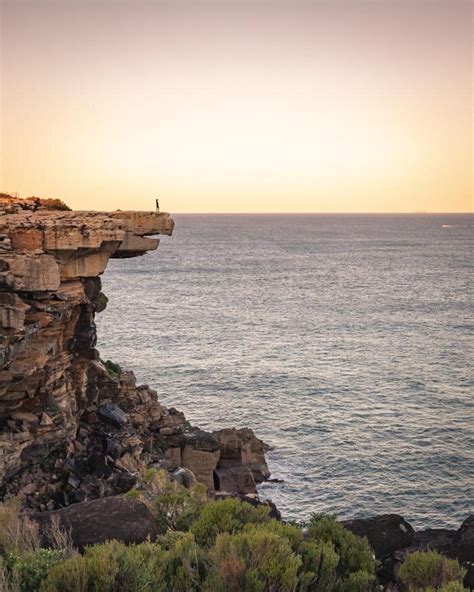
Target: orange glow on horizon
239, 106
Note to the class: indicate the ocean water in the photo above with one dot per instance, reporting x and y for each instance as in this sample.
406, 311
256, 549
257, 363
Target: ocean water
344, 341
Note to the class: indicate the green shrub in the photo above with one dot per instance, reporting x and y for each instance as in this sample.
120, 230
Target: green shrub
178, 507
253, 561
101, 304
429, 570
453, 587
185, 565
226, 516
32, 567
320, 562
110, 567
68, 576
116, 567
112, 368
355, 554
9, 578
292, 533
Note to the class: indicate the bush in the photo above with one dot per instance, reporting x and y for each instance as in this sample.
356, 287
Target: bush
319, 560
30, 568
110, 567
292, 533
226, 516
9, 579
177, 508
186, 565
429, 570
453, 587
354, 568
253, 561
355, 553
112, 368
116, 567
68, 576
17, 532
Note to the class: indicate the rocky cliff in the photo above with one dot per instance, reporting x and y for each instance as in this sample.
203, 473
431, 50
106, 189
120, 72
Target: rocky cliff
71, 426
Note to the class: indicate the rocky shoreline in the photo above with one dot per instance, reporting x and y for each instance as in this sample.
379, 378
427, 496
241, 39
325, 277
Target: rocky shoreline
72, 427
75, 431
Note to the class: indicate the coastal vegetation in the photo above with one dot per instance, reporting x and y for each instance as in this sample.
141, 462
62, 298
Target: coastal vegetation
209, 546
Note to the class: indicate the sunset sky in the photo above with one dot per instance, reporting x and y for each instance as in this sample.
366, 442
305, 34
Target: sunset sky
284, 106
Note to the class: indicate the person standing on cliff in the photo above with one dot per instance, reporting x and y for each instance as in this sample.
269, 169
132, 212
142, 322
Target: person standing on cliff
157, 205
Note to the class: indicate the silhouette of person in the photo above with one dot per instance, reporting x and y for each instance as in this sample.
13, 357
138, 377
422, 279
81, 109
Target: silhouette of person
157, 205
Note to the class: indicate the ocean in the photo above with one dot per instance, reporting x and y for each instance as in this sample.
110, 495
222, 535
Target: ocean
344, 341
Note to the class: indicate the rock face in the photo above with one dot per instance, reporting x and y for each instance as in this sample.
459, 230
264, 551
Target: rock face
72, 427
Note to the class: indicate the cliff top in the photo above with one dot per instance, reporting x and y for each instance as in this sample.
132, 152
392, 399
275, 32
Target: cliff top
36, 225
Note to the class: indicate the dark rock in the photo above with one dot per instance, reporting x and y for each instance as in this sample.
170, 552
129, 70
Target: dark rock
386, 533
113, 448
462, 549
202, 440
73, 481
60, 498
98, 464
79, 496
435, 539
123, 482
97, 521
388, 567
112, 414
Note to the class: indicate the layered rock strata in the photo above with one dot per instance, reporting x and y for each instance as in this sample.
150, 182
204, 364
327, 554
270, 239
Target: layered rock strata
71, 426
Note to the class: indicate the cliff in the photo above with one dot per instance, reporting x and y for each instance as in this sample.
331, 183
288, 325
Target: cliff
71, 426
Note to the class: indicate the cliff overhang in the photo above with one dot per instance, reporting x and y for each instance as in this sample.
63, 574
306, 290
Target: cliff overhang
59, 441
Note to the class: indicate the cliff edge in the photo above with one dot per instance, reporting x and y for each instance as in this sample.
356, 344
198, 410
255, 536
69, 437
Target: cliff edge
71, 426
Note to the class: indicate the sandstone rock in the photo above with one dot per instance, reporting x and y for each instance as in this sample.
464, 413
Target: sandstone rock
46, 420
241, 447
25, 417
74, 428
202, 463
236, 479
386, 533
101, 520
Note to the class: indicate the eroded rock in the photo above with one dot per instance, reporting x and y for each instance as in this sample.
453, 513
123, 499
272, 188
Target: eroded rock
73, 428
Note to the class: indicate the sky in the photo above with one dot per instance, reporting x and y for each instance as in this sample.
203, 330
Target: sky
268, 106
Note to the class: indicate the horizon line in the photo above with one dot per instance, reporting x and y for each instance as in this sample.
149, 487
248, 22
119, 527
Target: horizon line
417, 213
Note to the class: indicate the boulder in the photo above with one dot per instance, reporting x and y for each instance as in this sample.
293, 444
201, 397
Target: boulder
386, 533
91, 522
462, 549
434, 539
112, 414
